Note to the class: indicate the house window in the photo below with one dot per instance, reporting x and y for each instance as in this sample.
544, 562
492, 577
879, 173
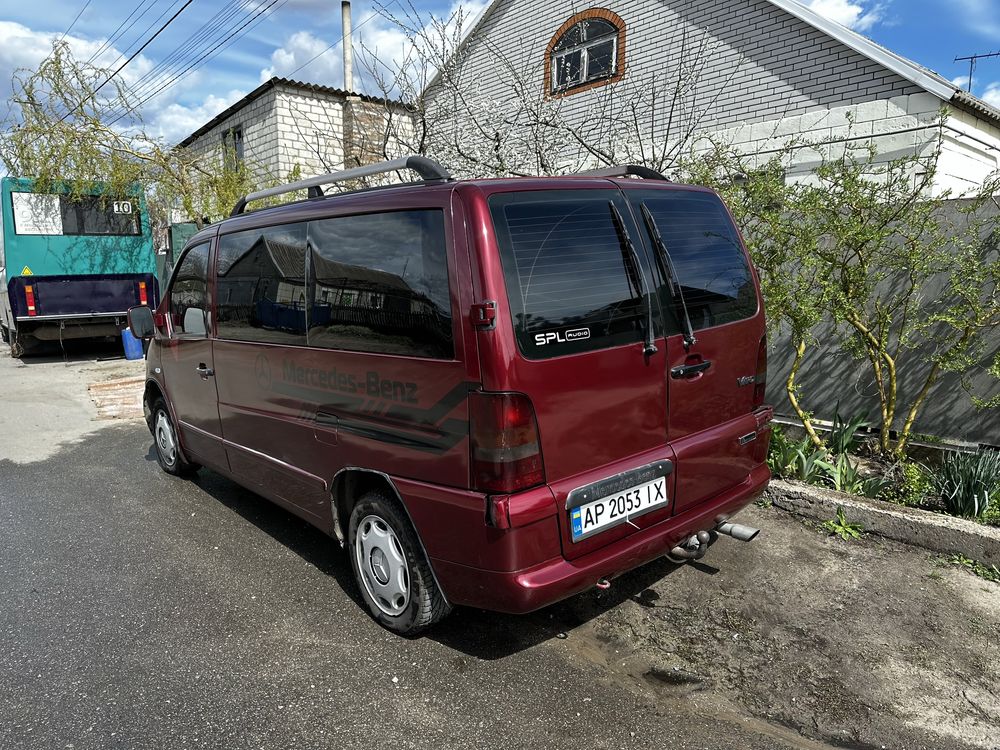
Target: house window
232, 145
587, 51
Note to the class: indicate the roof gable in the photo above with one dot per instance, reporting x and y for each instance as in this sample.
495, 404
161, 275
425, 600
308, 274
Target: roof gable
906, 69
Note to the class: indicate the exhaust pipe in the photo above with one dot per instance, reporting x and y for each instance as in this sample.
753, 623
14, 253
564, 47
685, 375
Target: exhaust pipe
737, 531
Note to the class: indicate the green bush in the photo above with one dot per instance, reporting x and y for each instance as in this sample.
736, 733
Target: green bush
967, 483
780, 453
911, 484
843, 436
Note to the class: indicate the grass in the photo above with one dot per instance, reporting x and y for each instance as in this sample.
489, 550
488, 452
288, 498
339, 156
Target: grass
986, 572
843, 528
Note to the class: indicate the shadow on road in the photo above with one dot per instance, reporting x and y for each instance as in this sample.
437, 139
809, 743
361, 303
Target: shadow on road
84, 350
300, 537
476, 633
491, 635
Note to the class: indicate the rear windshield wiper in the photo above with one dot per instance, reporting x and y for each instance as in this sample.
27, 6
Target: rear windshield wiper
636, 277
672, 279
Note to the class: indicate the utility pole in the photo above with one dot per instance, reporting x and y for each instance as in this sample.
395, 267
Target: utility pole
972, 64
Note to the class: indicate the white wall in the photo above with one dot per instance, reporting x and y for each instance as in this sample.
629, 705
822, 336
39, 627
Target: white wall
260, 136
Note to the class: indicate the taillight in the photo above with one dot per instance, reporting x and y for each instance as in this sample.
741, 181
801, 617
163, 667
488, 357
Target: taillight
29, 298
760, 379
506, 453
143, 298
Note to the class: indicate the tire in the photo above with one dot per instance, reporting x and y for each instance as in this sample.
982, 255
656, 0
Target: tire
390, 568
168, 449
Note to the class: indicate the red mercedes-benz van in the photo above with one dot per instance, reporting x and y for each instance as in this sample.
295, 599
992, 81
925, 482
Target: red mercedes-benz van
494, 393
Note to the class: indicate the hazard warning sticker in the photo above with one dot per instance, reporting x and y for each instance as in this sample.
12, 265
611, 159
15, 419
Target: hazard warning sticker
26, 271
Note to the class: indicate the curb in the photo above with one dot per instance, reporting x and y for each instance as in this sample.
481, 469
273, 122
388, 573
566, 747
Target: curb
920, 528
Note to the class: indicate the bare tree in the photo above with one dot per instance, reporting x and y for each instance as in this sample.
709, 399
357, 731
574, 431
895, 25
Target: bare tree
515, 127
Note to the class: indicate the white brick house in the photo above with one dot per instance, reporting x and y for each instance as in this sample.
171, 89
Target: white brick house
752, 73
283, 124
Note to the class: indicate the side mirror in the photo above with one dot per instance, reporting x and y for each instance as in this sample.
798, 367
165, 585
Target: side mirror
140, 322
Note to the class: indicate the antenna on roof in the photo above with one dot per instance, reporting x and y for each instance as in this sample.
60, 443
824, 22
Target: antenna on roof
972, 64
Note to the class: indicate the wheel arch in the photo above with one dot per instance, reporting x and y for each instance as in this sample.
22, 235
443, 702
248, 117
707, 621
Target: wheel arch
152, 391
348, 485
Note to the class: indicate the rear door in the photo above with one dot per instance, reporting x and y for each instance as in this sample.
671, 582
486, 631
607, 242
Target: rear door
576, 298
710, 379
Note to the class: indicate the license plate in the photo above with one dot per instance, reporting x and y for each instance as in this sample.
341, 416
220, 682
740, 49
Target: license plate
617, 508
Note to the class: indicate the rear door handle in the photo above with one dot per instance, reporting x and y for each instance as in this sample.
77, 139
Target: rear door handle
204, 371
689, 371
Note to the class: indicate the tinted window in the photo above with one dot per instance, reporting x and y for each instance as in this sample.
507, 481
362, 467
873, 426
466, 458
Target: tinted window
706, 252
567, 275
379, 283
189, 292
261, 285
94, 215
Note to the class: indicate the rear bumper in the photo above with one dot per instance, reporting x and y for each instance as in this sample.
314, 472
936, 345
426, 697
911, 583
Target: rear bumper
526, 590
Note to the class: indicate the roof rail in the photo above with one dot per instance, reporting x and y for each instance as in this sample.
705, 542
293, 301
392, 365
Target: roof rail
624, 170
428, 169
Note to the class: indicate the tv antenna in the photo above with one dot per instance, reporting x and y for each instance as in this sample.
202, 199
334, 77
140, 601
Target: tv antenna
973, 59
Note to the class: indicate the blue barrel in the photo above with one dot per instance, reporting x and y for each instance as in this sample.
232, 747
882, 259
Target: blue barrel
133, 346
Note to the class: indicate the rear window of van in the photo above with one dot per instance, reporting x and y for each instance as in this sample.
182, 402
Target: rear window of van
708, 257
567, 273
569, 280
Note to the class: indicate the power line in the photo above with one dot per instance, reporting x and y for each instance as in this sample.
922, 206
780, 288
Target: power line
70, 27
130, 59
151, 25
188, 50
63, 35
118, 32
260, 14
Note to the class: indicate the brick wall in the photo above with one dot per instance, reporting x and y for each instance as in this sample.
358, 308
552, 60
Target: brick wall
743, 69
310, 131
260, 136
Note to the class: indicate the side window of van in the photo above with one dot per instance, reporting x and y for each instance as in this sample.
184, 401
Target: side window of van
189, 293
379, 283
261, 285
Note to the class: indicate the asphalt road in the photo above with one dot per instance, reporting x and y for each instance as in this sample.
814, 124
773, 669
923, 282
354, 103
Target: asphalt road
141, 611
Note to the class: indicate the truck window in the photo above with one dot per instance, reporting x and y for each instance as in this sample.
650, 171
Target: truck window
96, 215
189, 293
261, 285
379, 283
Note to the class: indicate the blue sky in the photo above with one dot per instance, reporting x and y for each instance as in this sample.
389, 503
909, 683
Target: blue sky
931, 32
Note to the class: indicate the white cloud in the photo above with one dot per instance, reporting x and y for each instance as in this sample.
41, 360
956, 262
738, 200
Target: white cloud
992, 94
961, 81
22, 47
377, 42
298, 50
174, 121
854, 15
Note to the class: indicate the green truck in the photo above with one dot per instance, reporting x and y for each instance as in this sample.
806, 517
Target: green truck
71, 268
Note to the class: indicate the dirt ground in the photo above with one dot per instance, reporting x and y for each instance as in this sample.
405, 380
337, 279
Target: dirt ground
866, 644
